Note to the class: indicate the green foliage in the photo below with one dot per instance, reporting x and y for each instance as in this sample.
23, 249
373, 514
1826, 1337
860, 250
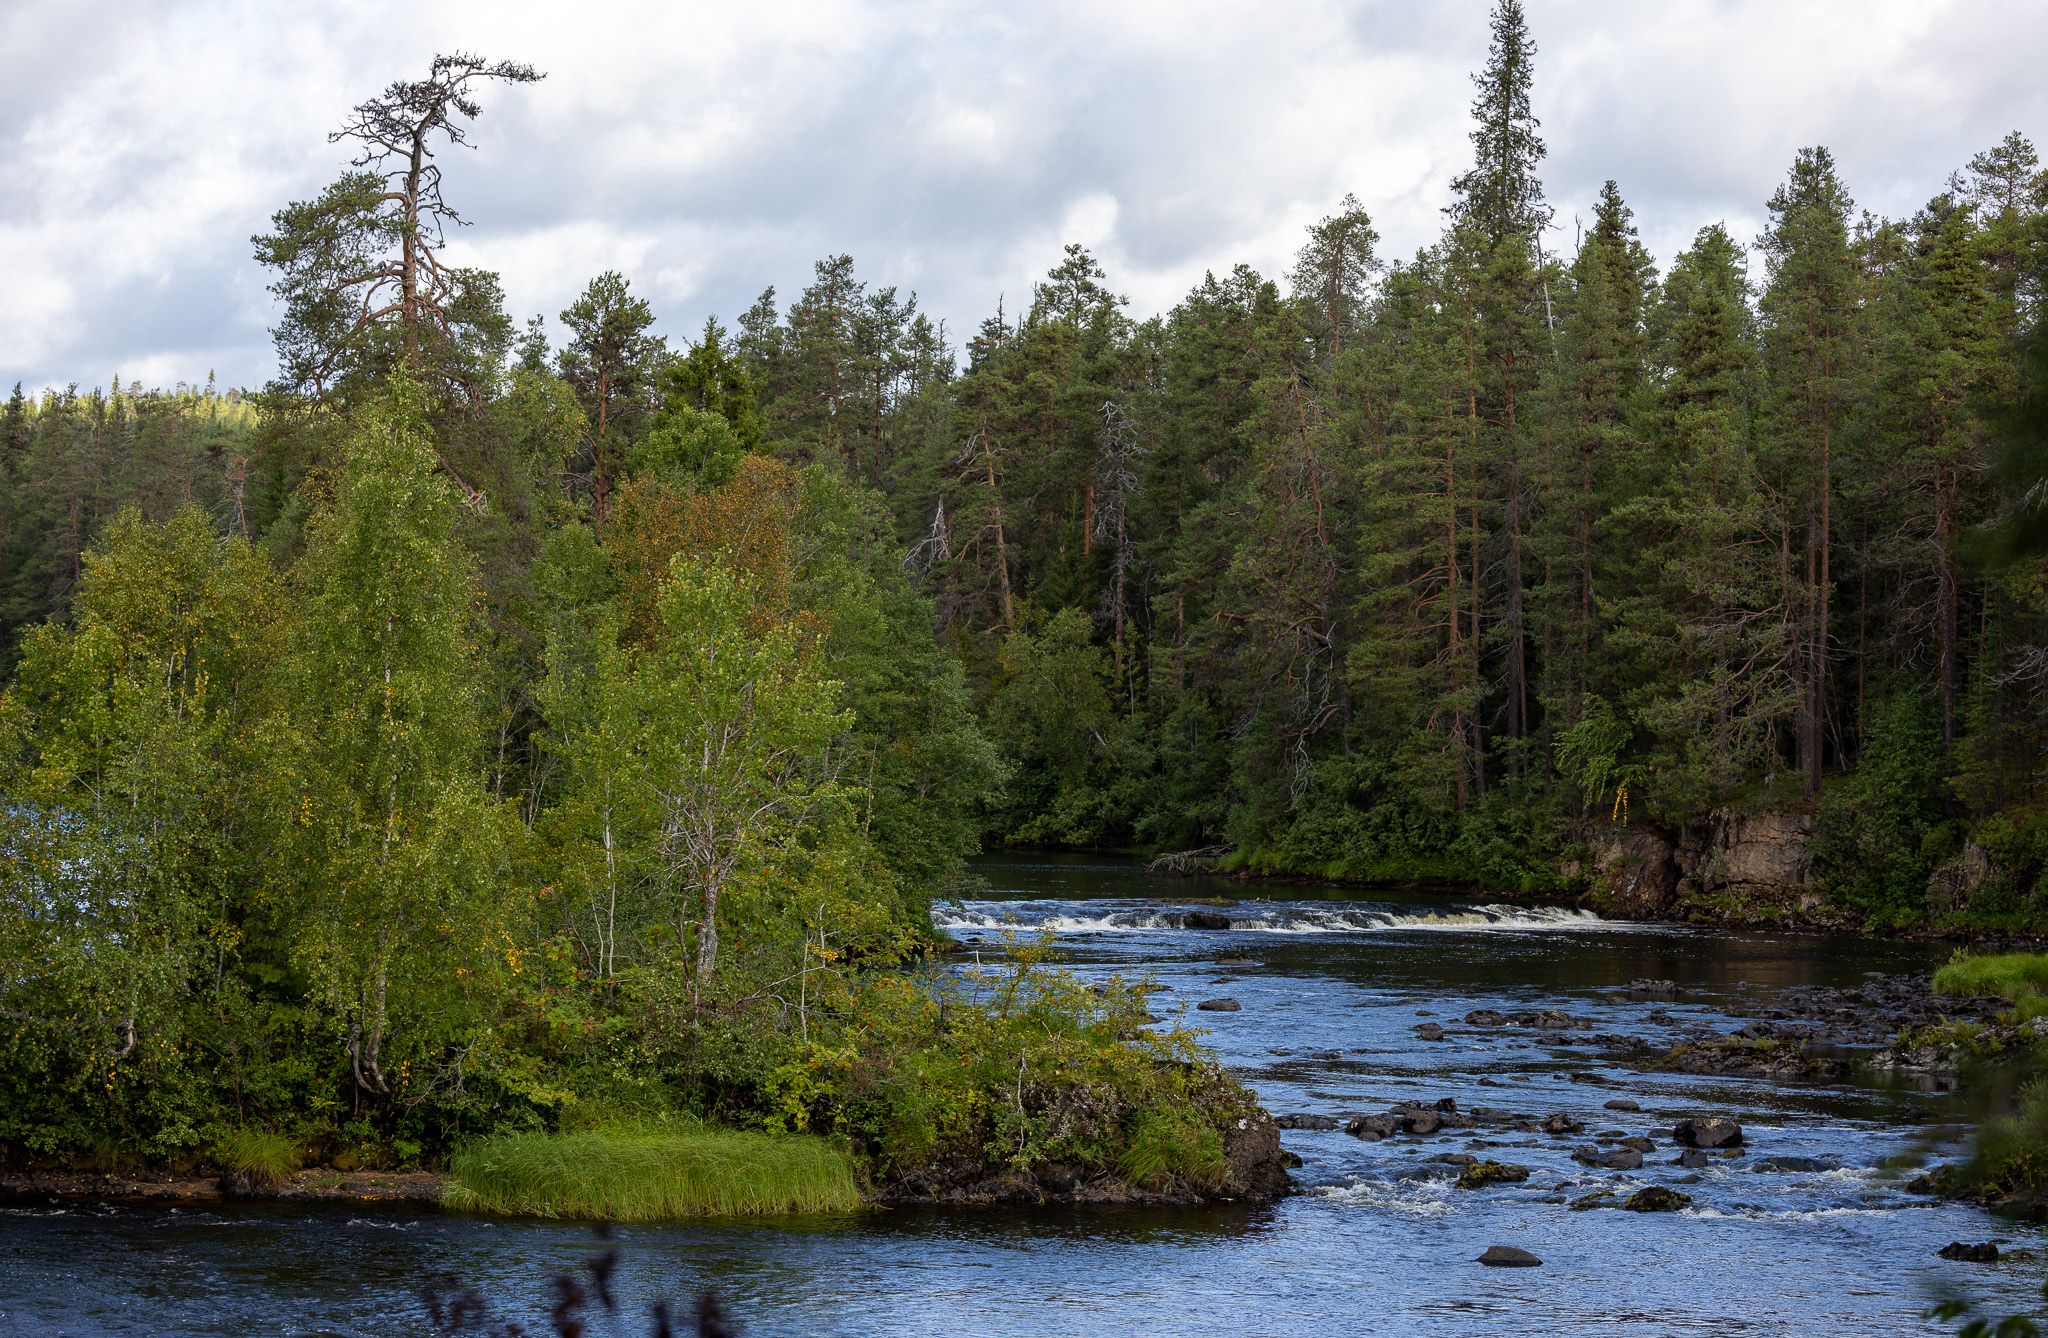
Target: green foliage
1169, 1143
1870, 836
637, 1174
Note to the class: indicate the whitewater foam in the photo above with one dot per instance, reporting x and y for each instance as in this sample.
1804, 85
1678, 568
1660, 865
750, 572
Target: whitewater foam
1274, 919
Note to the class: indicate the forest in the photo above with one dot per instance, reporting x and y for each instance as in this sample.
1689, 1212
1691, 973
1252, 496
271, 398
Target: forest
482, 708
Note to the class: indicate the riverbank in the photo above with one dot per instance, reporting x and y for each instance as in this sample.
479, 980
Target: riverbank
1338, 1002
314, 1185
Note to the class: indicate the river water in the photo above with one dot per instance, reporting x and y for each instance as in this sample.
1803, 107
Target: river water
1377, 1242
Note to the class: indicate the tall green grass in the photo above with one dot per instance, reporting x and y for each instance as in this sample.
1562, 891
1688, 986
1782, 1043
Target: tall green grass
638, 1173
2012, 974
265, 1157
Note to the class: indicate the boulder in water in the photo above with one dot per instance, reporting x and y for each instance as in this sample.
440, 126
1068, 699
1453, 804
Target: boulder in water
1484, 1173
1429, 1031
1422, 1121
1485, 1017
1219, 1006
1986, 1253
1372, 1128
1560, 1123
1204, 920
1507, 1256
1304, 1122
1622, 1103
1656, 1199
1710, 1131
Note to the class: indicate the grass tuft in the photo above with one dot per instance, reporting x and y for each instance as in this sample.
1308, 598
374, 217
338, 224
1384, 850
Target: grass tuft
1167, 1143
639, 1173
262, 1155
2012, 974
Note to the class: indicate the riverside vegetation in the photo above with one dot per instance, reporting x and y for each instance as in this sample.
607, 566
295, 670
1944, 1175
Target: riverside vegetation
472, 727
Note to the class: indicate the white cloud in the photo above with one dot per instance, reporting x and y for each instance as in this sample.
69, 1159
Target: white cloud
709, 150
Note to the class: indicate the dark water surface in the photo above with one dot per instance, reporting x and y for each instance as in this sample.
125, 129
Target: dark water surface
1376, 1243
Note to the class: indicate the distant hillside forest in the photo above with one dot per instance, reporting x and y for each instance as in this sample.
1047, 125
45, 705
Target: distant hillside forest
1386, 568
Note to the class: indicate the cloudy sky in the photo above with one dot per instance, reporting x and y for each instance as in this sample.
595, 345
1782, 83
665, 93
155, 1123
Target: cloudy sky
710, 150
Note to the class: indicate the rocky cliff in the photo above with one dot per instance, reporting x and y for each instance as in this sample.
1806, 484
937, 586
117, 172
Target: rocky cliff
1733, 863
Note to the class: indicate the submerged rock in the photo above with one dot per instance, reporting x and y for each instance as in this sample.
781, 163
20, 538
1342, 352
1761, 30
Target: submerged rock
1986, 1253
1508, 1256
1429, 1031
1792, 1164
1219, 1006
1621, 1159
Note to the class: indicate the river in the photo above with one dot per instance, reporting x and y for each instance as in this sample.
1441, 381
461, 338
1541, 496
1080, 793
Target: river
1376, 1243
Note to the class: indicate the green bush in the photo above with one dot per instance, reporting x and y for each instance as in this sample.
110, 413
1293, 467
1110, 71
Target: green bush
264, 1156
641, 1172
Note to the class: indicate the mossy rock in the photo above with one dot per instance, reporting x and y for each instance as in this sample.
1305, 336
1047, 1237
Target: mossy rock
1484, 1173
1598, 1199
1656, 1199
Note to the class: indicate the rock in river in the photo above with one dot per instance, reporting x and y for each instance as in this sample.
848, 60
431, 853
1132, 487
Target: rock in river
1422, 1121
1372, 1128
1791, 1164
1481, 1174
1621, 1159
1987, 1253
1303, 1122
1507, 1256
1656, 1199
1219, 1005
1622, 1103
1560, 1123
1204, 920
1429, 1031
1712, 1131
